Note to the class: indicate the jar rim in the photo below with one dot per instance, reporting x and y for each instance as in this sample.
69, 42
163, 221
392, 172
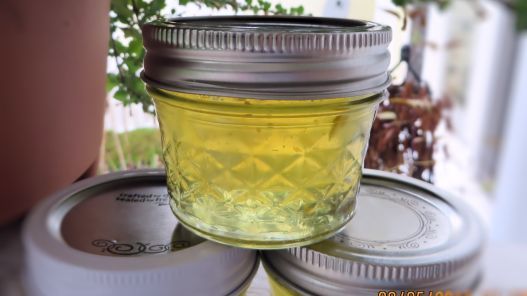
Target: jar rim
299, 24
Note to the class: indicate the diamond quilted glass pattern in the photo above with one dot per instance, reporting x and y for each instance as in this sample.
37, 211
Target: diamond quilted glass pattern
263, 174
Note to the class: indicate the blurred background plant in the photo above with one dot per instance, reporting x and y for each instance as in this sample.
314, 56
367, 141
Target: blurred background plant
126, 44
141, 148
404, 133
404, 137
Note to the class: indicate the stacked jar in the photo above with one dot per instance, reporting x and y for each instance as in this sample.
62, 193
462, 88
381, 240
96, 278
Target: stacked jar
265, 123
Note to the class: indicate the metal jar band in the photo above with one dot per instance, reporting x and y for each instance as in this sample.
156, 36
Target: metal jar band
267, 57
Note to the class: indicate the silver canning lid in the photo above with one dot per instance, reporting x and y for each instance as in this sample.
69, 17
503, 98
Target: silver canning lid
267, 57
404, 235
116, 235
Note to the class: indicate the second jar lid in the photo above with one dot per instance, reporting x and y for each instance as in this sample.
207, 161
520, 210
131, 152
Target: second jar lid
405, 234
116, 235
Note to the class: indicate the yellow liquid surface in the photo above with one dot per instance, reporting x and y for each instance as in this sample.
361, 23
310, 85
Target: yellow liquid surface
263, 173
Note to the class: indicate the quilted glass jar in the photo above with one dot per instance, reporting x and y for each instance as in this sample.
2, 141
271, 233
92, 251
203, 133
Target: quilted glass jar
265, 122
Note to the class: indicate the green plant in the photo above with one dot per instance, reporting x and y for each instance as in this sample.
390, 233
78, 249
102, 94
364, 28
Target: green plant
403, 137
520, 7
135, 149
126, 46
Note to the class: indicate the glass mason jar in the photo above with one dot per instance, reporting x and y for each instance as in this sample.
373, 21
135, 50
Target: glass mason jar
265, 122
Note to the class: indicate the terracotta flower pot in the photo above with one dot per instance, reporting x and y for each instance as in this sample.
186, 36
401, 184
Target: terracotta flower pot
53, 96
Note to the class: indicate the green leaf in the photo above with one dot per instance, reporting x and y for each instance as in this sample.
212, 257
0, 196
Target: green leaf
443, 4
401, 2
267, 6
111, 82
131, 33
153, 10
119, 46
128, 87
521, 14
122, 96
135, 45
280, 9
120, 8
299, 10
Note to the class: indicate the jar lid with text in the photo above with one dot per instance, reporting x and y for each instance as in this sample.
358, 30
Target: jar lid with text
116, 235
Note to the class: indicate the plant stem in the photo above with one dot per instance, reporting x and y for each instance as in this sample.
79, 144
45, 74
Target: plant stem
116, 140
118, 64
103, 167
136, 13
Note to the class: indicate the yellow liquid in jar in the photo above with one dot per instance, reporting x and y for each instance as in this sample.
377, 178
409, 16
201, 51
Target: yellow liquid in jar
263, 173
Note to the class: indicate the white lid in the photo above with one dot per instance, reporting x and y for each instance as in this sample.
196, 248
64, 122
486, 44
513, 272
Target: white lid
116, 235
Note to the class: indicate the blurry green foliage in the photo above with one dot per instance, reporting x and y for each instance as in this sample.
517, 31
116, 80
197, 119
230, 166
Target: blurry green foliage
127, 16
521, 11
126, 45
141, 149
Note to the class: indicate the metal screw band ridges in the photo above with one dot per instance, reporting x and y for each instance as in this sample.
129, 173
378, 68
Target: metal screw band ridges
265, 42
370, 271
